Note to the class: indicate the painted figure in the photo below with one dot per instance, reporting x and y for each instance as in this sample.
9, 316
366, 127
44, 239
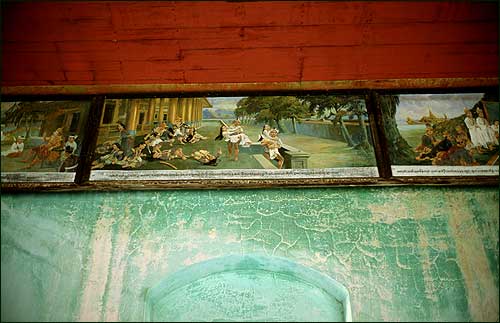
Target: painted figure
153, 141
46, 151
206, 158
71, 142
441, 146
265, 132
273, 144
16, 150
135, 160
69, 161
179, 130
235, 137
486, 133
126, 139
427, 142
495, 127
473, 128
193, 136
112, 158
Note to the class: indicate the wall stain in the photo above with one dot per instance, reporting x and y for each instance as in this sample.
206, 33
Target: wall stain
482, 292
93, 291
403, 253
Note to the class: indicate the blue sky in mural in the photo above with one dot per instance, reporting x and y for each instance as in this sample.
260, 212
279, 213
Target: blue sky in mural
417, 105
225, 103
411, 105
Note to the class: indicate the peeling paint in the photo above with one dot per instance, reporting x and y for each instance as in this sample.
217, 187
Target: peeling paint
482, 292
404, 254
94, 288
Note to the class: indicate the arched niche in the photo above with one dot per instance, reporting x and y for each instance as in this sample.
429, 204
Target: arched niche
247, 288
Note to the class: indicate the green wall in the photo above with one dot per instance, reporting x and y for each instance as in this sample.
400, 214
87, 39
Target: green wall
403, 253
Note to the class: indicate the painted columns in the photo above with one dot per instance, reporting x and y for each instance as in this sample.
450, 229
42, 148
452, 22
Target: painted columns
183, 108
161, 102
132, 114
189, 110
172, 109
116, 114
197, 111
151, 112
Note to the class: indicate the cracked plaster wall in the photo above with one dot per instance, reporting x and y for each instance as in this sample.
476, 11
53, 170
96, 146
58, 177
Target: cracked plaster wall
404, 254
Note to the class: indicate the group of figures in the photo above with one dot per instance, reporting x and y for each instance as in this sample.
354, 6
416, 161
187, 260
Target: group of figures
53, 151
159, 145
235, 137
272, 143
483, 136
126, 155
458, 146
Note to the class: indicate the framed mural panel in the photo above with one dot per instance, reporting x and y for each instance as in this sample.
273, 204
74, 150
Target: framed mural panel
442, 134
41, 140
238, 139
234, 138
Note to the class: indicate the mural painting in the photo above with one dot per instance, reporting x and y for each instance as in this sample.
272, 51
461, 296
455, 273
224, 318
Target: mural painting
42, 136
442, 134
256, 132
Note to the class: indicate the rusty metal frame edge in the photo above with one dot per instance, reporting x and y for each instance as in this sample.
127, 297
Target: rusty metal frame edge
247, 184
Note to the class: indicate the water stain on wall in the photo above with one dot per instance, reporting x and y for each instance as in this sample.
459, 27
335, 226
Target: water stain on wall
403, 253
482, 292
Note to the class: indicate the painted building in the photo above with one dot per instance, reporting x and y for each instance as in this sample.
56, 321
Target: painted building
142, 115
42, 118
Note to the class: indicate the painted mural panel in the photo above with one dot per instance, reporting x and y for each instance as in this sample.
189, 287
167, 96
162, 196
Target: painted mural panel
234, 137
41, 140
442, 134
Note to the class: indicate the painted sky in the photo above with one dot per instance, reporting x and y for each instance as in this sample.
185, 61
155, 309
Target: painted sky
225, 103
411, 105
417, 105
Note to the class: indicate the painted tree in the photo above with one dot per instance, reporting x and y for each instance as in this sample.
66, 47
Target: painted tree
271, 109
337, 108
24, 114
400, 152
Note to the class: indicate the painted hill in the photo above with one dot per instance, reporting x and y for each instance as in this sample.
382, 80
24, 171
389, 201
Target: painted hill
218, 114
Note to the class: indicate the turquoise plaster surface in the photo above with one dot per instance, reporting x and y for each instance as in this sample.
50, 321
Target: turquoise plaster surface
248, 288
404, 254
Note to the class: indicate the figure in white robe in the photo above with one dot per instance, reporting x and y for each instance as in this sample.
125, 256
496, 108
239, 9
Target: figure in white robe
473, 128
495, 127
16, 149
486, 133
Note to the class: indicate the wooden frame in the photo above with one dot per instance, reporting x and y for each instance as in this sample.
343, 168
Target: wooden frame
370, 89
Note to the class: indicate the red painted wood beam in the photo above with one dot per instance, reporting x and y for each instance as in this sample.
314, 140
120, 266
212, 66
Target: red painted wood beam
176, 42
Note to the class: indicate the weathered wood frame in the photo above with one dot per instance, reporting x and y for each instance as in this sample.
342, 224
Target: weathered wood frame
370, 88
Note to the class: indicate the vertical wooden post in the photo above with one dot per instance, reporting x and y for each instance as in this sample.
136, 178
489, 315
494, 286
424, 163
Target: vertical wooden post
378, 134
90, 140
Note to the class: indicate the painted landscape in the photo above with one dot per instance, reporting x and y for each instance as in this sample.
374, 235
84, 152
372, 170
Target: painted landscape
442, 129
42, 136
271, 132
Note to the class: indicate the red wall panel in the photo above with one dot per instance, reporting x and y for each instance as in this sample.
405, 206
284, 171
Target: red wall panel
151, 42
